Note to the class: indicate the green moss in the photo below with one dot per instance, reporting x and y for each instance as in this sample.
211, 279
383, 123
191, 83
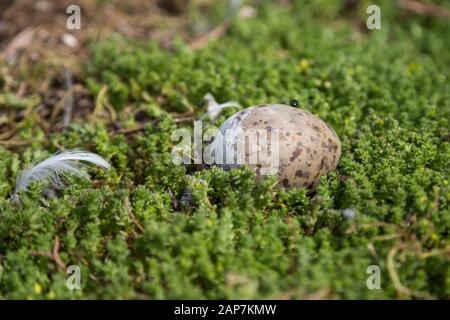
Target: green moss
151, 229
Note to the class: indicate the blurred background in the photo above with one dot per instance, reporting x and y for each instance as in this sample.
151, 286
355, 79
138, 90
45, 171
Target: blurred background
41, 58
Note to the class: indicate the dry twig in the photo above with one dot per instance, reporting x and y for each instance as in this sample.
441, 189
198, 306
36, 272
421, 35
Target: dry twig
54, 255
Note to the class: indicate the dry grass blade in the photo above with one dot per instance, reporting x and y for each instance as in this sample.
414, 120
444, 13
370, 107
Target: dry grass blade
68, 107
20, 42
428, 9
402, 291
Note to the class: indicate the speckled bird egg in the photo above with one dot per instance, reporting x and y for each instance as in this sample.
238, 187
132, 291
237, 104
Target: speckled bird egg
302, 147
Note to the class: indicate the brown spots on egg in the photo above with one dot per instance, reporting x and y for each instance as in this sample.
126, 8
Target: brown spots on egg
323, 164
302, 174
315, 128
295, 154
308, 147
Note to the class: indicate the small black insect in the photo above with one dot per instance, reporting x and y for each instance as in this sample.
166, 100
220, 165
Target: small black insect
294, 103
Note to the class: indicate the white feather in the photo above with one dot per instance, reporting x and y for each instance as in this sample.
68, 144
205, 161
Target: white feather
215, 108
56, 168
